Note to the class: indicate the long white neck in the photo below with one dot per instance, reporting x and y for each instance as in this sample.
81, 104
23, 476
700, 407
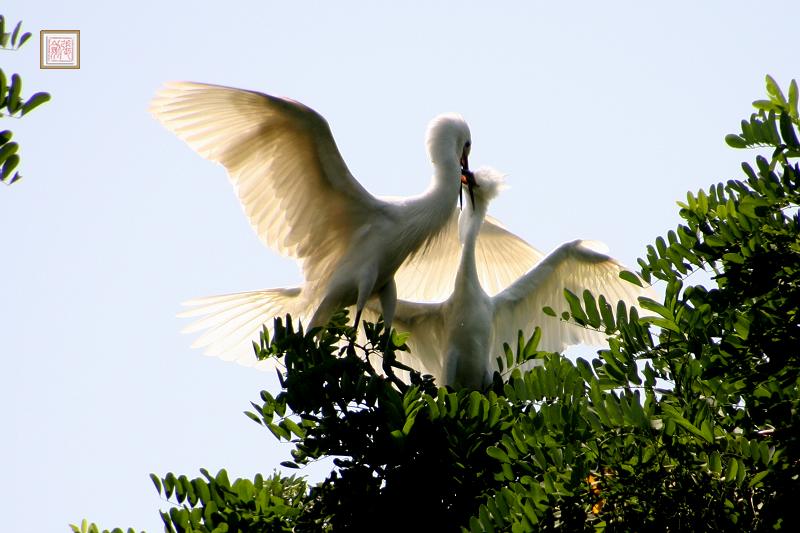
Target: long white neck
425, 215
469, 225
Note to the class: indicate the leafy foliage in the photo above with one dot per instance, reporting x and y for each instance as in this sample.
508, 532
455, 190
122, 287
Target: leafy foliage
213, 503
12, 38
12, 104
688, 421
87, 527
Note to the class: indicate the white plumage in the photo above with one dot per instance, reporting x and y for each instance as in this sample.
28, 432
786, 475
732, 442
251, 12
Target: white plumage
302, 201
459, 339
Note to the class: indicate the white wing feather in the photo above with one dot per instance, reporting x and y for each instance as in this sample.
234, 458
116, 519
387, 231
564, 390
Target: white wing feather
574, 266
231, 322
500, 256
284, 165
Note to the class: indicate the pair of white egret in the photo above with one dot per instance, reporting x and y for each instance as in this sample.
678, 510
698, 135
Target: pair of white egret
352, 246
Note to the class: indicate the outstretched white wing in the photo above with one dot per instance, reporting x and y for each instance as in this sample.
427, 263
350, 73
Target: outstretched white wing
231, 322
284, 165
500, 256
574, 266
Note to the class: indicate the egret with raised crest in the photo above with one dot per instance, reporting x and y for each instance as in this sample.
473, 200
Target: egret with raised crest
458, 340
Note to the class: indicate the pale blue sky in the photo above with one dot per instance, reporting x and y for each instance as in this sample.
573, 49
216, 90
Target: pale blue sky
603, 114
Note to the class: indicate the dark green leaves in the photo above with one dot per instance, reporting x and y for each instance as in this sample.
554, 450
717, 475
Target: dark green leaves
12, 102
774, 124
33, 102
14, 38
214, 503
8, 158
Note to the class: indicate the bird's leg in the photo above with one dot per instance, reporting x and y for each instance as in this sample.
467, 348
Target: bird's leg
388, 298
366, 285
358, 318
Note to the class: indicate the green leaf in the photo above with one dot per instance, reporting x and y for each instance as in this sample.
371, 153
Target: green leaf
408, 425
757, 479
766, 105
156, 482
707, 431
651, 305
591, 309
533, 342
673, 414
715, 462
24, 38
399, 339
475, 525
9, 165
497, 453
787, 131
474, 404
34, 101
741, 471
662, 323
7, 150
793, 96
733, 467
575, 307
222, 478
252, 416
548, 311
15, 33
607, 313
630, 277
169, 484
735, 141
292, 426
13, 104
279, 431
775, 93
3, 87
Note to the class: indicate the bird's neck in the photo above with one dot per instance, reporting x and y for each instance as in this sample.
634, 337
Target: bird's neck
469, 225
446, 178
426, 215
436, 204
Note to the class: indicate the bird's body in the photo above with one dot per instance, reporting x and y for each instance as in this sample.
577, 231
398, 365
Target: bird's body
458, 340
302, 200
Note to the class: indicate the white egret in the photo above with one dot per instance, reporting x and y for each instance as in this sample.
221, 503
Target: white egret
231, 322
302, 200
459, 339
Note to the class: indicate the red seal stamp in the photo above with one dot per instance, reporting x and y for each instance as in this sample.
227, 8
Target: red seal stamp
60, 49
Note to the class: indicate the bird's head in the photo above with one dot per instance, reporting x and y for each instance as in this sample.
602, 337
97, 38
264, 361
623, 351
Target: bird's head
449, 140
487, 184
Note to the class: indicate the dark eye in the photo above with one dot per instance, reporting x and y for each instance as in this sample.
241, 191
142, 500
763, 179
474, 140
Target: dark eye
468, 144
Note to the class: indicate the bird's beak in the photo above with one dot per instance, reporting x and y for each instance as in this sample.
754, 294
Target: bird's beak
468, 179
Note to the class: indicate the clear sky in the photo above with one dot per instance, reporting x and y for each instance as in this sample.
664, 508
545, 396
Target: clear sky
603, 114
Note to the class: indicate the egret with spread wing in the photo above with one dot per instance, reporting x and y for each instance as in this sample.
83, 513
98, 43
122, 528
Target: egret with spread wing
302, 200
459, 339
